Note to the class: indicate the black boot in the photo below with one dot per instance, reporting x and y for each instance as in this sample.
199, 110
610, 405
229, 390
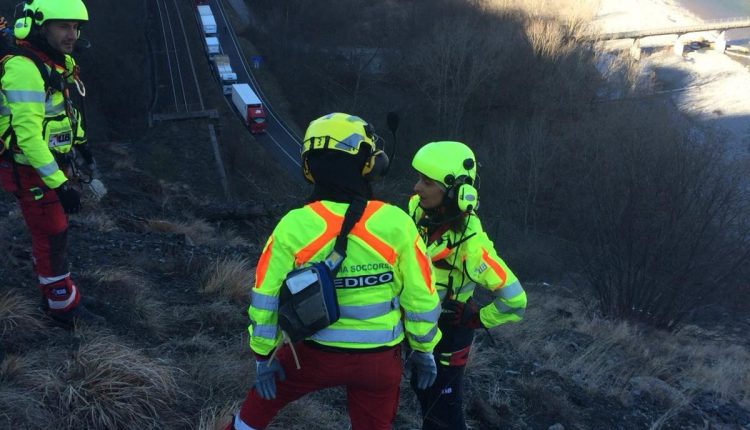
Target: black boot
78, 315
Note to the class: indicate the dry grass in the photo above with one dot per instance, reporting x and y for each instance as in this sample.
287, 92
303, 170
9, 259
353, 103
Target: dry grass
196, 232
109, 385
98, 221
318, 411
216, 418
231, 277
724, 371
19, 317
616, 359
12, 367
129, 289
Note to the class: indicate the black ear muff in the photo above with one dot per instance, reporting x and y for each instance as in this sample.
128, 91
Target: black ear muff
377, 165
306, 170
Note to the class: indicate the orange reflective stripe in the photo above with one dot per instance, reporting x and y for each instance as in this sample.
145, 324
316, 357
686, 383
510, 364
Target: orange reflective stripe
442, 254
424, 266
378, 245
496, 267
262, 267
333, 225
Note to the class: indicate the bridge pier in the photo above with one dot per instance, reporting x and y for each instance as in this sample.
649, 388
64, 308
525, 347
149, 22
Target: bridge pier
635, 49
721, 42
679, 47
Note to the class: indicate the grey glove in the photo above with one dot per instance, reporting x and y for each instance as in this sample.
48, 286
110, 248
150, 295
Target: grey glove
265, 373
424, 369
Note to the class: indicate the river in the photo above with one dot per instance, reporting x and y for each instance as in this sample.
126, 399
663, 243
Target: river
718, 9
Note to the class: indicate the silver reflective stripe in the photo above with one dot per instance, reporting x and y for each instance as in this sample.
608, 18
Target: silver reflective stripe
264, 331
24, 96
510, 291
429, 316
240, 425
4, 110
44, 280
428, 337
263, 301
368, 311
468, 288
62, 304
48, 169
505, 309
442, 294
358, 336
50, 109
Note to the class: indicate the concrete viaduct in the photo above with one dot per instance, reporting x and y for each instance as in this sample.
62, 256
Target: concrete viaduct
720, 44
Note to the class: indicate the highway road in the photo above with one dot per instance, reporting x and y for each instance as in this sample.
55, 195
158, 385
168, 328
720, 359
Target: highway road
281, 142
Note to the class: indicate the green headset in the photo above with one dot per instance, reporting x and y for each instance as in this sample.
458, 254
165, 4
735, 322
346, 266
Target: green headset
453, 165
37, 12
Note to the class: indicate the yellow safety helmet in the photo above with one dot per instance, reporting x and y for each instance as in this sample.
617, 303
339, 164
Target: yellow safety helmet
346, 133
37, 12
453, 165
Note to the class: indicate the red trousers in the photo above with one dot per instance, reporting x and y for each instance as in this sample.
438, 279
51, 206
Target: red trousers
371, 380
48, 227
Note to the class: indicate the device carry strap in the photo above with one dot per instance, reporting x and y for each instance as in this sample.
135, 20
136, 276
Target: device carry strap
353, 215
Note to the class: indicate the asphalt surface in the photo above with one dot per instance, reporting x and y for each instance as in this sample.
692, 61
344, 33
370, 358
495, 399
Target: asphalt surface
278, 139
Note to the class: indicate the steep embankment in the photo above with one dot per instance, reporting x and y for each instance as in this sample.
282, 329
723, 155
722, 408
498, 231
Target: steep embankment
169, 266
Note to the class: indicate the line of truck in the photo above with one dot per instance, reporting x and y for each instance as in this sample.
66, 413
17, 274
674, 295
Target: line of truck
244, 99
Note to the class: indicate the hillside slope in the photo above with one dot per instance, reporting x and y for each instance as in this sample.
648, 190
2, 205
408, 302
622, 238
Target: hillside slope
168, 262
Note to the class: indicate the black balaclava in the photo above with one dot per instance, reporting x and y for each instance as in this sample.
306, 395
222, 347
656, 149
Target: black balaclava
338, 176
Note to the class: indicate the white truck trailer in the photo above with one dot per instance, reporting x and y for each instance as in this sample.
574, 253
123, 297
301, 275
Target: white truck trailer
209, 25
212, 46
204, 10
249, 106
224, 72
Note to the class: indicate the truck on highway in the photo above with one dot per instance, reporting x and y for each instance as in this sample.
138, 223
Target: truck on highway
209, 25
224, 73
204, 10
249, 106
213, 47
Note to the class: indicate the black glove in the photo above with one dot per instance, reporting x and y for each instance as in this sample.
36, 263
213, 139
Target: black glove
461, 314
70, 199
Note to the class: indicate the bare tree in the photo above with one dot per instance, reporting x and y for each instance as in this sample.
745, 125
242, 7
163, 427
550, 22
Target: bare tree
452, 63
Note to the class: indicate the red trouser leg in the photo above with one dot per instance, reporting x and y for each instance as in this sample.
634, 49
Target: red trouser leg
48, 227
373, 390
371, 380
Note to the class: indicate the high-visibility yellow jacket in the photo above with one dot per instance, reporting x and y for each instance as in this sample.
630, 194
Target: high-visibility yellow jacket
36, 124
385, 287
463, 260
